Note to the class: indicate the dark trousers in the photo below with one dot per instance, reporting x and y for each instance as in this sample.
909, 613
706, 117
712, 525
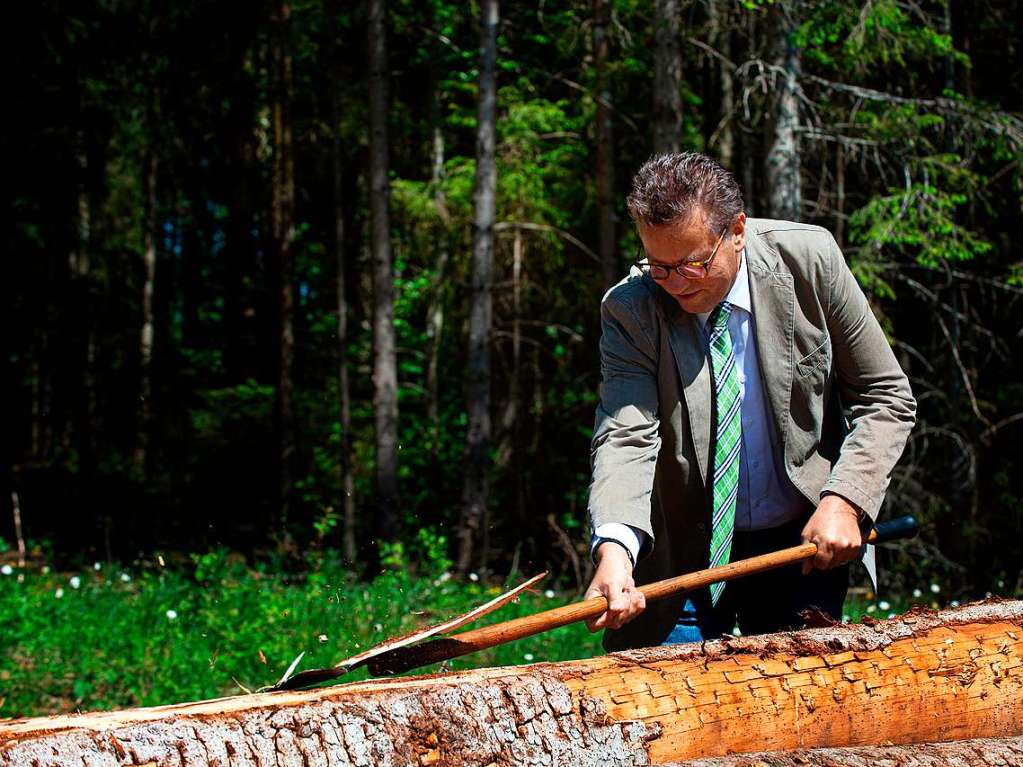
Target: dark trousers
764, 603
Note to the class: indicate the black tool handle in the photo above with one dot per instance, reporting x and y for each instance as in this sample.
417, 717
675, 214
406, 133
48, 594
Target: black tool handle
895, 529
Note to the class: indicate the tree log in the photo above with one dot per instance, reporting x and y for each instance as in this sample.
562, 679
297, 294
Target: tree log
921, 678
979, 752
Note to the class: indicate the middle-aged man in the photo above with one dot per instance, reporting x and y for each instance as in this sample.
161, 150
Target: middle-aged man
749, 401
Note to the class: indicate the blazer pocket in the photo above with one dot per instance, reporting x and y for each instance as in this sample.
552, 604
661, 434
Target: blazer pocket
817, 361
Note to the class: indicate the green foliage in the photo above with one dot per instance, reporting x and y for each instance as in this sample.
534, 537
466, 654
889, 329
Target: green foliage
112, 638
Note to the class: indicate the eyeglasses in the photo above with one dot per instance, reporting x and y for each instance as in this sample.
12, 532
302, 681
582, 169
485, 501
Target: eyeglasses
692, 270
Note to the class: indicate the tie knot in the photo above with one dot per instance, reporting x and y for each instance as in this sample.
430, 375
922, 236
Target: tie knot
719, 317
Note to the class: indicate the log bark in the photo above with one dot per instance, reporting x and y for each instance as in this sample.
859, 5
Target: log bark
922, 678
978, 752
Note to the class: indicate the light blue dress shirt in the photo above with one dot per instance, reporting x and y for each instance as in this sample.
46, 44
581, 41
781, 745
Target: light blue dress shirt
767, 498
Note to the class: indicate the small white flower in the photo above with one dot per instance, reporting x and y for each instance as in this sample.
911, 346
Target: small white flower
6, 569
954, 603
444, 577
21, 577
845, 618
917, 593
528, 656
549, 593
172, 614
97, 566
736, 632
75, 581
1001, 584
46, 569
935, 588
473, 577
378, 626
59, 592
125, 578
883, 605
322, 638
871, 608
891, 615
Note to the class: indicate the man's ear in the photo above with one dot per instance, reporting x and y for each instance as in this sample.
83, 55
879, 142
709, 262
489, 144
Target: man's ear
738, 233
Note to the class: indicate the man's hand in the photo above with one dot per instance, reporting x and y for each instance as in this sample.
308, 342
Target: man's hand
613, 581
835, 528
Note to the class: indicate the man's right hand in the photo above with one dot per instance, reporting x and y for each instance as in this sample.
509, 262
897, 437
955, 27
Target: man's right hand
613, 581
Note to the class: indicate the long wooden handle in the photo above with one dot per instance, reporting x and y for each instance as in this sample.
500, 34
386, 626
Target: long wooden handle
529, 625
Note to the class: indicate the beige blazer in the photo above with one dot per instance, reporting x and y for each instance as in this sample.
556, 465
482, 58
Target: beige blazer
842, 406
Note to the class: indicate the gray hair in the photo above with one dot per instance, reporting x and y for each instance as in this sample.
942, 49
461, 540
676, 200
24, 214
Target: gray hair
671, 187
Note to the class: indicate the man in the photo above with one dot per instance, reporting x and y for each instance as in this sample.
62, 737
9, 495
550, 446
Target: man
749, 401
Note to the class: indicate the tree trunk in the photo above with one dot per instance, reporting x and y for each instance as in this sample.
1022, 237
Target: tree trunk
283, 215
149, 228
784, 189
925, 677
667, 77
477, 446
605, 146
346, 479
723, 137
385, 365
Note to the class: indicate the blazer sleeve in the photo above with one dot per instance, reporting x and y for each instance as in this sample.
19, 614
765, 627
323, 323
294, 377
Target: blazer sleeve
874, 390
623, 452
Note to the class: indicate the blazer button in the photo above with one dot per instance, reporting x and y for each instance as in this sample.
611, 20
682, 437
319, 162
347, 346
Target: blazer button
701, 527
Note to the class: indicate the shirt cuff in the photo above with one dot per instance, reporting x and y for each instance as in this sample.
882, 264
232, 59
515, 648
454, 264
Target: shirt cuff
630, 537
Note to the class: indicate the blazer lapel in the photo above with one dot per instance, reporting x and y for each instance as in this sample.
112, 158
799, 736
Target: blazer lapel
694, 370
773, 299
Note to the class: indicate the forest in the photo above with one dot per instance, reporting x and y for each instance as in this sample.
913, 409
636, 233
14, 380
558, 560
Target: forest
310, 276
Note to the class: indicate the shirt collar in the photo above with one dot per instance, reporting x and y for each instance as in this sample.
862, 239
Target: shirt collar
738, 296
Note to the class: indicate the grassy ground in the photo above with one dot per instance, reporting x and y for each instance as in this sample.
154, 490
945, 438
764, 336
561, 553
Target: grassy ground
105, 638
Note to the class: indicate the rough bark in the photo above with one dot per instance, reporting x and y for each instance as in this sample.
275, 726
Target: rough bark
477, 443
784, 189
346, 477
283, 217
385, 362
667, 122
921, 678
723, 137
605, 145
978, 752
146, 335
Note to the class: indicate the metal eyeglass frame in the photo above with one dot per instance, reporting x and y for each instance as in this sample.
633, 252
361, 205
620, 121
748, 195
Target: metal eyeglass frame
703, 267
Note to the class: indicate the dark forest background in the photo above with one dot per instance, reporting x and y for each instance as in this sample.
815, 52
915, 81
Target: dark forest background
285, 277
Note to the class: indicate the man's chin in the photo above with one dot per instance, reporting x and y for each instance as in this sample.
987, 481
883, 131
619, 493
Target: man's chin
693, 303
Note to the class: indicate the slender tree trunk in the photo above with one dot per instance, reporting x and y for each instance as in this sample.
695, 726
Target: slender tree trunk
385, 366
667, 76
721, 38
284, 235
346, 478
477, 448
605, 146
840, 195
149, 228
784, 189
435, 315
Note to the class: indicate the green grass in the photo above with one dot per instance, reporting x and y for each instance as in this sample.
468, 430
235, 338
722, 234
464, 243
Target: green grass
159, 635
168, 635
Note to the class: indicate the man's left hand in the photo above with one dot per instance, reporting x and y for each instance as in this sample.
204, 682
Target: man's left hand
835, 528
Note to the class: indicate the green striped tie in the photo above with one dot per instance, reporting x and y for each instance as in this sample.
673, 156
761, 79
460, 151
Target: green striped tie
727, 442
